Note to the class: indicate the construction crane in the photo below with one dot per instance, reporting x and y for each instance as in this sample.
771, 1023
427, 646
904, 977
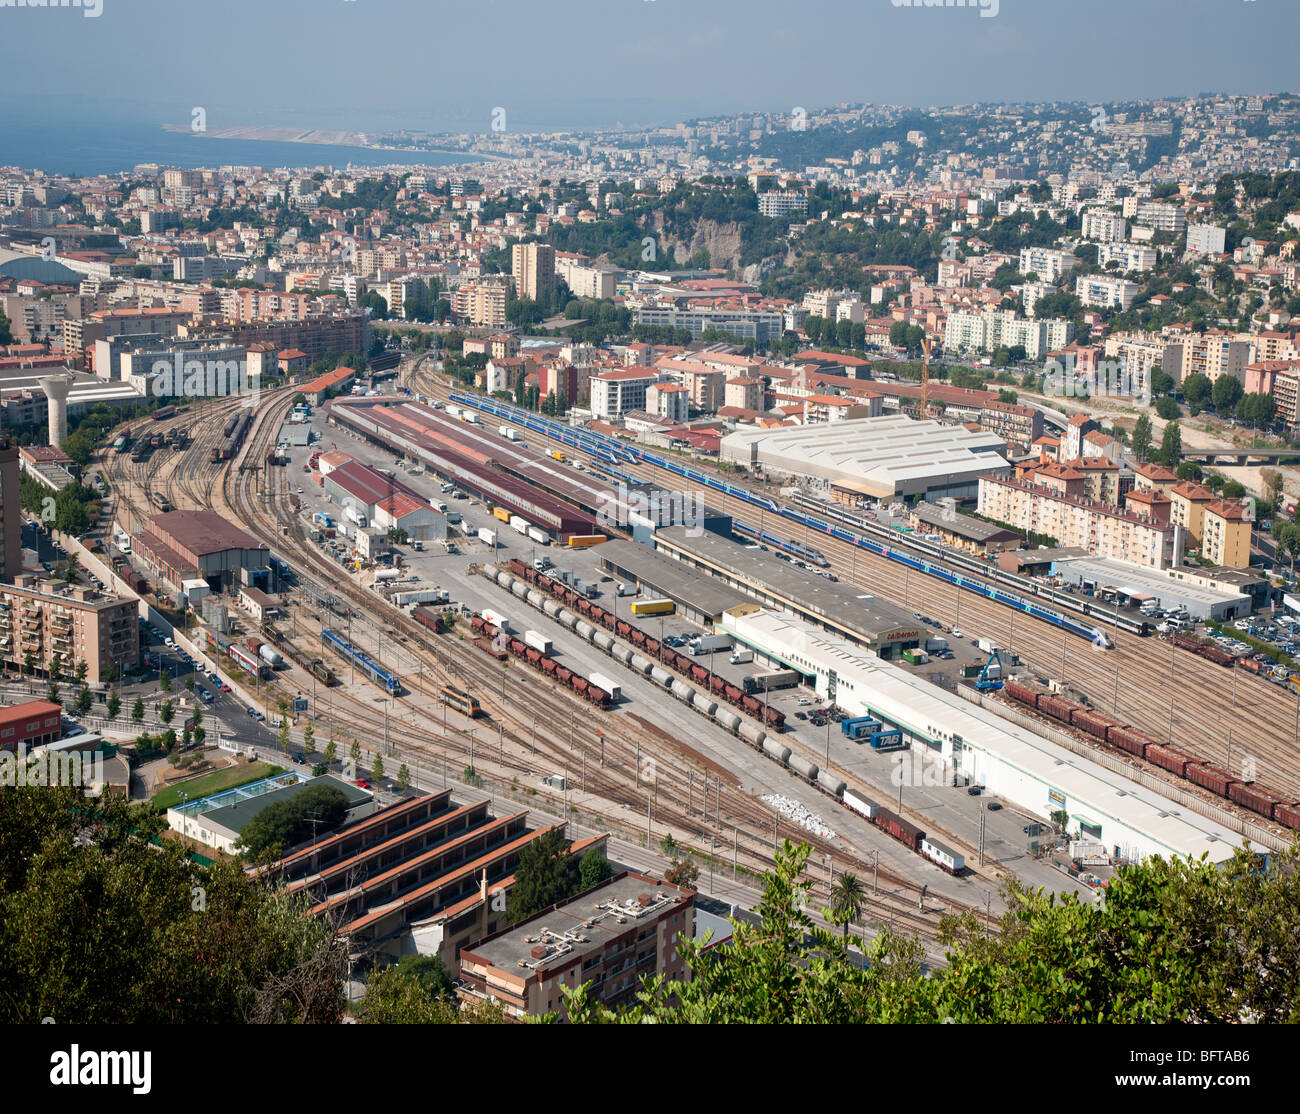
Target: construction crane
926, 344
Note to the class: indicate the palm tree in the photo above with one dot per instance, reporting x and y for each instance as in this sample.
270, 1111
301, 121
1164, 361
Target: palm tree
847, 898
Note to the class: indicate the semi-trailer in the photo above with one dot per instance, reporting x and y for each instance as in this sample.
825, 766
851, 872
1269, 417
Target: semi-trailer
710, 643
611, 687
538, 641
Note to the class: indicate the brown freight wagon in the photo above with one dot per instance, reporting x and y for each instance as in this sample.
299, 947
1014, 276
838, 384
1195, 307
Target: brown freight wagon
1209, 777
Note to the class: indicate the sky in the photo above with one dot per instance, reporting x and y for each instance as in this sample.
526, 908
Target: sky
438, 66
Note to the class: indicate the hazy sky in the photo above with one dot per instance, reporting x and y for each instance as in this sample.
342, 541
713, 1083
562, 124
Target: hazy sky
438, 66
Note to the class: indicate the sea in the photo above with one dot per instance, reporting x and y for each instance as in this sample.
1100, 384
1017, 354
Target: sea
84, 148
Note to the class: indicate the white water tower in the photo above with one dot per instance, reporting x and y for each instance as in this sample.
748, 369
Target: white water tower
56, 389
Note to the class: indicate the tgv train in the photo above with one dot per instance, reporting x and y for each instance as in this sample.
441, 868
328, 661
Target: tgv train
613, 451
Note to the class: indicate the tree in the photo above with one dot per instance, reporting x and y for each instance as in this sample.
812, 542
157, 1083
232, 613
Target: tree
1226, 392
210, 944
137, 710
430, 972
1142, 438
165, 681
80, 672
545, 876
166, 712
403, 777
331, 752
1162, 383
283, 825
1167, 408
354, 752
847, 898
114, 704
1233, 489
308, 739
283, 737
593, 869
189, 683
1197, 391
682, 872
1274, 485
1190, 470
83, 700
52, 694
29, 663
377, 767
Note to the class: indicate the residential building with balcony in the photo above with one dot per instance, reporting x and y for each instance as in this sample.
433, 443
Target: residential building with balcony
43, 619
1226, 541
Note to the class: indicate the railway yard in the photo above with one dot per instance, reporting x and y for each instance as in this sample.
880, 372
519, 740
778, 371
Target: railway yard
649, 762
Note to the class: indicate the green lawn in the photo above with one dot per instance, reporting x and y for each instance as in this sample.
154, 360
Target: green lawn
214, 783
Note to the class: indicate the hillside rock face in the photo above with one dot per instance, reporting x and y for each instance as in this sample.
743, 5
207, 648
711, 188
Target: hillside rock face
722, 241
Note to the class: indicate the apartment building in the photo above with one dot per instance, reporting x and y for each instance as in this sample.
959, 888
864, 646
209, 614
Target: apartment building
670, 401
1152, 476
1106, 291
481, 302
533, 266
1188, 501
74, 622
1286, 388
782, 203
79, 334
1055, 504
985, 330
611, 937
1049, 264
744, 393
761, 326
336, 334
1161, 216
1100, 479
587, 281
11, 511
561, 379
1130, 257
1226, 541
1019, 426
1103, 225
1206, 239
614, 393
706, 386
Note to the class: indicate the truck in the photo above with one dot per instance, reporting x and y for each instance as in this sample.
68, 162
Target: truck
356, 516
538, 641
557, 455
986, 644
653, 607
440, 506
541, 537
710, 643
384, 575
771, 681
519, 523
488, 536
603, 682
935, 645
121, 539
452, 517
740, 657
627, 589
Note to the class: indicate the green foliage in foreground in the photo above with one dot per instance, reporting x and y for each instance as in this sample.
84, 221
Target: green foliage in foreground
1173, 941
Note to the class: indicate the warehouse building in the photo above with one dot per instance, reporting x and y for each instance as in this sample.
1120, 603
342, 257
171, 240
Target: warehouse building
961, 530
383, 500
1132, 583
890, 457
882, 628
188, 545
1011, 761
698, 596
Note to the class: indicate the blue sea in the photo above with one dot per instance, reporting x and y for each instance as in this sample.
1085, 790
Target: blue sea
89, 147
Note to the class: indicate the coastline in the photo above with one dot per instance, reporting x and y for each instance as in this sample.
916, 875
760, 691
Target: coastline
321, 138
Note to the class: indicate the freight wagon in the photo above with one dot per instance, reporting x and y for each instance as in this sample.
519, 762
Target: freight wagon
951, 861
250, 662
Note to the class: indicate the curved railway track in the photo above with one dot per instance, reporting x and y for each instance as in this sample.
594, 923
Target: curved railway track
555, 733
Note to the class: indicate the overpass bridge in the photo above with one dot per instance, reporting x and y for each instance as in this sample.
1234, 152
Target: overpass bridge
1234, 454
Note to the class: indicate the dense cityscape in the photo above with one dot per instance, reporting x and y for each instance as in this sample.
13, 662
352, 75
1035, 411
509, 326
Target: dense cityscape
830, 565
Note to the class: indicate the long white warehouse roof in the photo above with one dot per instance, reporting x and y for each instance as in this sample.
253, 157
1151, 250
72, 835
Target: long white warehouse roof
1012, 761
892, 453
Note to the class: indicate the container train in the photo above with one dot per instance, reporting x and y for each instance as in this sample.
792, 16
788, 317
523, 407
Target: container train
834, 523
518, 582
543, 663
1242, 791
362, 661
658, 655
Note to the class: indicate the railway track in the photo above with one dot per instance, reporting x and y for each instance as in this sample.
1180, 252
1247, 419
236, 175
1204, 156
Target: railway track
548, 736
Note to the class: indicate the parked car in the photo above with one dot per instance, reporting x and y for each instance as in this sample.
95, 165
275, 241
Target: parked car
973, 790
993, 806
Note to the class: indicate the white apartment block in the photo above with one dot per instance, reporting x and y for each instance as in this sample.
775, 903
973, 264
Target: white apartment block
614, 393
1206, 239
990, 329
1105, 291
1049, 264
1103, 226
481, 303
782, 203
1130, 257
1162, 216
1102, 530
586, 281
